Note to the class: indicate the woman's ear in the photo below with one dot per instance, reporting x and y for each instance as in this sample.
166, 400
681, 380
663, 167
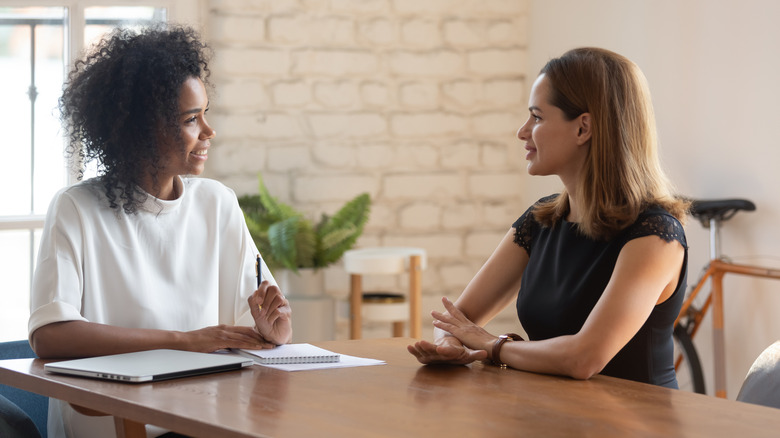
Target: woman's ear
585, 128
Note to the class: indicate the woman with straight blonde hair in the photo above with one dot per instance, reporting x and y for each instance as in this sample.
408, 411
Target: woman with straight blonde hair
598, 271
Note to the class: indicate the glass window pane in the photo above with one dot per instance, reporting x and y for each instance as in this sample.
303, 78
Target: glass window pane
15, 167
50, 163
101, 19
15, 262
31, 58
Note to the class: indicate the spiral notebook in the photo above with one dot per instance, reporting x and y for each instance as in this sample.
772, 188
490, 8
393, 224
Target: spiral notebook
290, 353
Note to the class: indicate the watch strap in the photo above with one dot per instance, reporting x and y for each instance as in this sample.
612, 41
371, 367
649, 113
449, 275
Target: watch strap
494, 357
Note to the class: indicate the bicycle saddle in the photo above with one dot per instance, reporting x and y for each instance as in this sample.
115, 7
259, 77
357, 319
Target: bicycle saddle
718, 209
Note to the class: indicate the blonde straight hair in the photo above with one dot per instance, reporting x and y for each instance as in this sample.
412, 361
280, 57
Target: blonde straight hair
622, 174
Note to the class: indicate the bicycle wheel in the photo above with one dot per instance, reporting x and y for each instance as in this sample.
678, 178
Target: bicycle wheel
689, 374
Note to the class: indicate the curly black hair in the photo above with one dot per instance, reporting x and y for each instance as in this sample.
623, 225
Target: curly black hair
122, 100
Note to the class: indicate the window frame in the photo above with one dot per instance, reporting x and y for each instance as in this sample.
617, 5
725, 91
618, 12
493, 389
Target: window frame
184, 11
192, 12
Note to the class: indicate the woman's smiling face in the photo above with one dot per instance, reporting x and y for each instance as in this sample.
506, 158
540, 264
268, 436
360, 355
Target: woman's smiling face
553, 142
189, 157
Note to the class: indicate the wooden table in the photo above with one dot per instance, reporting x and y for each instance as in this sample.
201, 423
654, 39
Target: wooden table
400, 399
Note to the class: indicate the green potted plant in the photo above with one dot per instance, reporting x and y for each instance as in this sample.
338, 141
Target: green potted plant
287, 239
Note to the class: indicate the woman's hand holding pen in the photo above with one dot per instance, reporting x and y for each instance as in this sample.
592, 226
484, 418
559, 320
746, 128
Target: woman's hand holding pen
465, 342
272, 313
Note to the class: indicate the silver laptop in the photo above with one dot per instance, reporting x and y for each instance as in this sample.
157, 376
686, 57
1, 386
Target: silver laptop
149, 366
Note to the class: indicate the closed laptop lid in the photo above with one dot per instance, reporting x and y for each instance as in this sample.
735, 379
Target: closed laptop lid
150, 365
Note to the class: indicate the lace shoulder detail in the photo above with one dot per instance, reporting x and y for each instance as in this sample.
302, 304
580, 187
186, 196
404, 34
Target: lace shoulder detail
527, 226
523, 230
657, 223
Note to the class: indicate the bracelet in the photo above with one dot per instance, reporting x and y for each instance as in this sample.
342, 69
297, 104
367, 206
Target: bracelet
497, 347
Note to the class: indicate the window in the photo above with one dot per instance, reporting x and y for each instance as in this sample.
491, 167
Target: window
37, 44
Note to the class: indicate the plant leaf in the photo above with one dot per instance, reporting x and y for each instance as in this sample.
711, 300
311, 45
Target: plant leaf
306, 245
287, 239
335, 243
282, 238
339, 233
275, 211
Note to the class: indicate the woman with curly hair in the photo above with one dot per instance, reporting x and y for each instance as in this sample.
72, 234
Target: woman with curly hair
145, 256
597, 271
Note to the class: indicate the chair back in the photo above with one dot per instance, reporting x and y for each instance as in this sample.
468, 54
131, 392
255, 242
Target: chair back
762, 384
14, 422
34, 405
385, 260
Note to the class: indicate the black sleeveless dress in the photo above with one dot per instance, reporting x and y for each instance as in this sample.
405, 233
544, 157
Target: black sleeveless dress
566, 275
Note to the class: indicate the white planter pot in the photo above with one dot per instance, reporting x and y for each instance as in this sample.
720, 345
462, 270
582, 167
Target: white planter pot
313, 319
306, 283
313, 311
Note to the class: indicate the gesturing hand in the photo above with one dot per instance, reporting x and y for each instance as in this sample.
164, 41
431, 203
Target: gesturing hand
465, 343
272, 313
447, 349
454, 322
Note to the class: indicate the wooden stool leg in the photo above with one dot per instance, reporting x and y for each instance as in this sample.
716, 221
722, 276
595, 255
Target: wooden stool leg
398, 329
355, 302
415, 297
718, 339
129, 429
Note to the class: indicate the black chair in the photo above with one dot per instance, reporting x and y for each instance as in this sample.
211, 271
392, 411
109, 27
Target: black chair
21, 412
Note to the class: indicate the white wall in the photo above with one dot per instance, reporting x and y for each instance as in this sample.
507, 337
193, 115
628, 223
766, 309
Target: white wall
713, 69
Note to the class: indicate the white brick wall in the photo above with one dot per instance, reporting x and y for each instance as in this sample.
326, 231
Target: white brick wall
415, 102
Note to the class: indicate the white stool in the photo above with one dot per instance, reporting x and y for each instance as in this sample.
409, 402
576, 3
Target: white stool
385, 307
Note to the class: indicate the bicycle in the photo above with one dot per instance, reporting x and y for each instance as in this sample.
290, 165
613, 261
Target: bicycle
711, 214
